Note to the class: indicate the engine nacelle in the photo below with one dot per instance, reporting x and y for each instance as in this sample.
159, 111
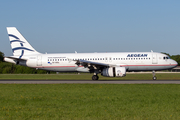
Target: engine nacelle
114, 72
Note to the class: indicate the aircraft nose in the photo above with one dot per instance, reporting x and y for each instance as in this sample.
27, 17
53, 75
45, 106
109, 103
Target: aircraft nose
174, 63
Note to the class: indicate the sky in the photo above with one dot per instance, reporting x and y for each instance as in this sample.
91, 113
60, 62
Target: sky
66, 26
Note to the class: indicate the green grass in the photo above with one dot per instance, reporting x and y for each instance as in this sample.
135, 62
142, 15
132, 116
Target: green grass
88, 101
147, 76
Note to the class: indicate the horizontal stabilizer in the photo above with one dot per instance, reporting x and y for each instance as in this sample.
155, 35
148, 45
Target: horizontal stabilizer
15, 58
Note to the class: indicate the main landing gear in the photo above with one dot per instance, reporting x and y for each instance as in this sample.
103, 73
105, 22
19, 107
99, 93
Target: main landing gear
154, 77
95, 77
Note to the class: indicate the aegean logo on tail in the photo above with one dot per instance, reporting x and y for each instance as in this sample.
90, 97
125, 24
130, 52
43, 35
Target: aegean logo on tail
21, 44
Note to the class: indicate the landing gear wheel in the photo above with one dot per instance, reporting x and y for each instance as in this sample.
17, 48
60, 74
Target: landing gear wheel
154, 78
95, 77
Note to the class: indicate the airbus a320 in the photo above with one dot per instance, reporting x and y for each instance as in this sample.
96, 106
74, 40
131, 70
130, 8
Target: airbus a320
114, 64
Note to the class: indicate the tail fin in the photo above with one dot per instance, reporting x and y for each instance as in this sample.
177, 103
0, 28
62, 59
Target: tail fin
19, 44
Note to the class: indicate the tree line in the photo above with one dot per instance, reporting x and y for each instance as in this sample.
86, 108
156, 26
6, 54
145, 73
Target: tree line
6, 68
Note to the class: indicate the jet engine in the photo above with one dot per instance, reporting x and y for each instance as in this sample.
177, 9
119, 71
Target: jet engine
114, 72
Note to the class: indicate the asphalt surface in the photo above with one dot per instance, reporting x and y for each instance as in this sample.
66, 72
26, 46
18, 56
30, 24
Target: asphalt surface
89, 82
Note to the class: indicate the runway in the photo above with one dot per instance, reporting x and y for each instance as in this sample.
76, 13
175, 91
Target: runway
89, 82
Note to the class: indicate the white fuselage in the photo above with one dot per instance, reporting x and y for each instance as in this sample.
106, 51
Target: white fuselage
134, 61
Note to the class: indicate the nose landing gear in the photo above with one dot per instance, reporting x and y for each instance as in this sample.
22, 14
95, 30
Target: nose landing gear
154, 77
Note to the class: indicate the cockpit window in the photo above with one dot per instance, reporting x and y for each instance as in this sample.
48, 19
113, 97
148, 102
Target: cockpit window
166, 58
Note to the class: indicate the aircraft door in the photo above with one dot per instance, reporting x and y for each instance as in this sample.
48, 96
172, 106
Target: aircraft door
39, 60
154, 59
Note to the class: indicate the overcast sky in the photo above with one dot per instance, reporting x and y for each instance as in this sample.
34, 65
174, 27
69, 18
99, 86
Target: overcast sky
58, 26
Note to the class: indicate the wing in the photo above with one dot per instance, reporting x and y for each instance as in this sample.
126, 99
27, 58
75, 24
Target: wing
93, 66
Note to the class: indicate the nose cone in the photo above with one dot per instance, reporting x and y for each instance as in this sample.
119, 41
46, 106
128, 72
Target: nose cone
174, 63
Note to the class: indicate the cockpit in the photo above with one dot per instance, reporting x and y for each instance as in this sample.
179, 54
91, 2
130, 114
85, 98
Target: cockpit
167, 57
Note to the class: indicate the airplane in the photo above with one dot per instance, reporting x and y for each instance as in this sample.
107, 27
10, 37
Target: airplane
114, 64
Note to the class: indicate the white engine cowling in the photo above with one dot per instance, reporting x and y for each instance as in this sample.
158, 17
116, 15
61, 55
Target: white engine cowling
114, 72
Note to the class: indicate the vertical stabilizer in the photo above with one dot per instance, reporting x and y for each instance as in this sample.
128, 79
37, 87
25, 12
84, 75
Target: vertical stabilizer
19, 44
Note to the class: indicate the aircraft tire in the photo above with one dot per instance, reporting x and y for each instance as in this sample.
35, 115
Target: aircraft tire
154, 78
95, 77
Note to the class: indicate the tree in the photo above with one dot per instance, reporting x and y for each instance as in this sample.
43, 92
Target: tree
1, 56
166, 54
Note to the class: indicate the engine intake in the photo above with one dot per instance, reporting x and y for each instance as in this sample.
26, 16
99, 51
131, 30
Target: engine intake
114, 72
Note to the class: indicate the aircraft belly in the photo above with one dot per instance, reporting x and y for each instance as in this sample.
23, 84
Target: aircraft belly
147, 68
60, 69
